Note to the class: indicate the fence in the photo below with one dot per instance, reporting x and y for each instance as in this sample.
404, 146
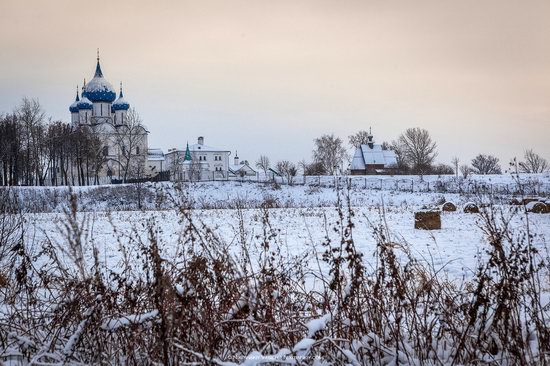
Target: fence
432, 184
162, 176
538, 185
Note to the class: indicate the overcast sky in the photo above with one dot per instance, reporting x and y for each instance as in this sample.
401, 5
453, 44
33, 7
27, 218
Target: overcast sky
267, 77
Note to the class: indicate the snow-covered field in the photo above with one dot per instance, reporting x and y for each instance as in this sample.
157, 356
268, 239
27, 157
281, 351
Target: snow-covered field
278, 298
316, 192
302, 227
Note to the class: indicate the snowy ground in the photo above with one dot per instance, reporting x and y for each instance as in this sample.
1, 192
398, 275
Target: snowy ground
303, 218
454, 249
317, 192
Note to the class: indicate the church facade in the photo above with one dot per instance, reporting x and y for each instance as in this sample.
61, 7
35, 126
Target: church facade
372, 158
124, 137
198, 162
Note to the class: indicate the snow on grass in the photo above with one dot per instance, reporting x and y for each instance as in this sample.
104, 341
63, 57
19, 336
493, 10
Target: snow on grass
316, 325
126, 320
455, 249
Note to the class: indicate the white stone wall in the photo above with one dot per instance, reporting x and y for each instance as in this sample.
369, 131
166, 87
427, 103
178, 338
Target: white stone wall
210, 164
119, 117
102, 109
75, 119
108, 134
84, 116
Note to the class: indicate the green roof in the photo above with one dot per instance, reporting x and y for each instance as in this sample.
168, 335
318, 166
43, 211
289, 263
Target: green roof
187, 154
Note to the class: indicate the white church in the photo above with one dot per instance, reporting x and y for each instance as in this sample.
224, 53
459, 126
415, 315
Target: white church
203, 162
372, 158
126, 150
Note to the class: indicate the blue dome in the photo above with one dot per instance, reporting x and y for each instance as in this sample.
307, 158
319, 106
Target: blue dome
74, 107
120, 104
99, 89
85, 104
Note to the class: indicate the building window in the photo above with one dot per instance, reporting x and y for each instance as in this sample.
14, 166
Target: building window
137, 150
105, 150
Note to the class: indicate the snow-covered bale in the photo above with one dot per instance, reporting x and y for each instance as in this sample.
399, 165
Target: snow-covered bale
427, 220
528, 200
448, 207
537, 207
471, 207
515, 201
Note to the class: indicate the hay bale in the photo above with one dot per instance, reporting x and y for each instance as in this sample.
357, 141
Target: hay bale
471, 207
515, 202
537, 207
427, 220
448, 207
528, 200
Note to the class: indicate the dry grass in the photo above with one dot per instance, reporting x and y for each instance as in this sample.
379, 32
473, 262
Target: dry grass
209, 306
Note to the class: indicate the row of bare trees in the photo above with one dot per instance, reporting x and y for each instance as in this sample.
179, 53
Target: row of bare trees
415, 152
414, 149
489, 164
34, 149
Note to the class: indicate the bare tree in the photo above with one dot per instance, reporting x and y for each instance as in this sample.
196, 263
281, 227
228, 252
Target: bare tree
486, 164
31, 117
533, 163
455, 162
311, 168
137, 172
418, 149
399, 149
330, 152
287, 169
10, 150
33, 149
130, 141
175, 165
358, 139
303, 164
315, 169
263, 164
465, 170
442, 169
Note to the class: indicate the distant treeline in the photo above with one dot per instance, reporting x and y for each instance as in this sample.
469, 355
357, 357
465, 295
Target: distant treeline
34, 150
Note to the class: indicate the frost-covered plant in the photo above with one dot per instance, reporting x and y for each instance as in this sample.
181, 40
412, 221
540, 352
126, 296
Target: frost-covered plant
202, 303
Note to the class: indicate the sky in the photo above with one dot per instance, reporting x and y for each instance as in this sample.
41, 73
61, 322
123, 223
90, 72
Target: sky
268, 77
